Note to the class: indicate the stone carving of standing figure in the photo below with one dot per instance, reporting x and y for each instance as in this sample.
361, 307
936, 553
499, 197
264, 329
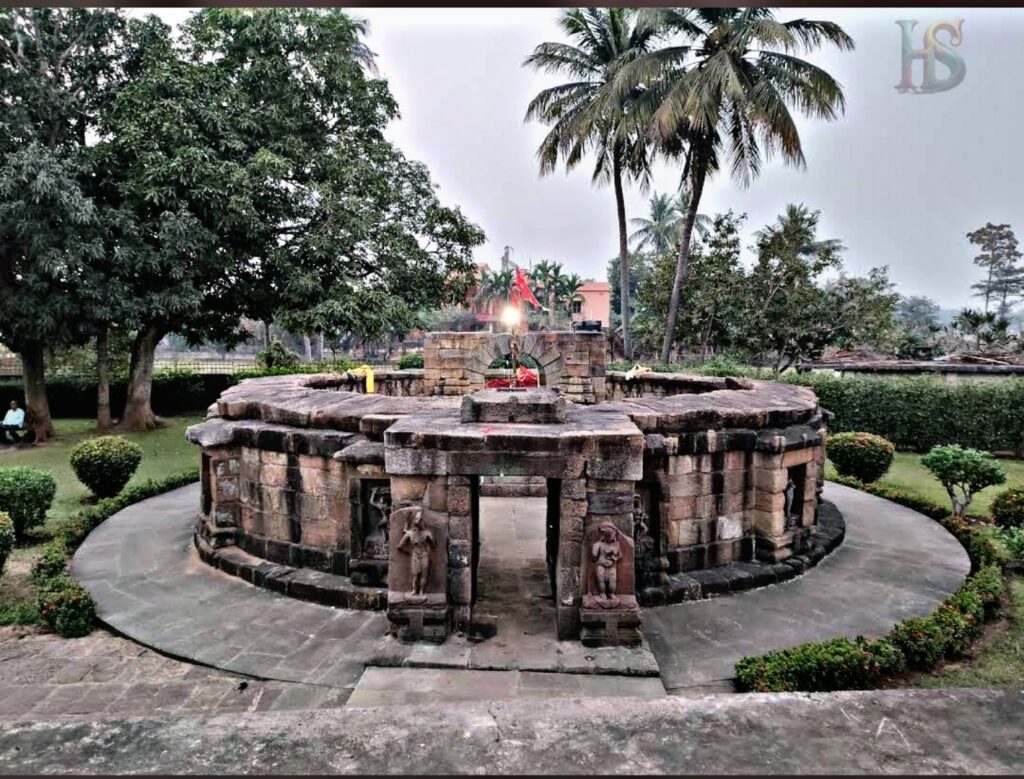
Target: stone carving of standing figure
376, 544
606, 554
420, 540
789, 493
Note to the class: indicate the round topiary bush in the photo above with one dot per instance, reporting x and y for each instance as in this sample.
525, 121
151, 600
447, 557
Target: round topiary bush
6, 539
1007, 508
864, 456
105, 464
66, 606
25, 496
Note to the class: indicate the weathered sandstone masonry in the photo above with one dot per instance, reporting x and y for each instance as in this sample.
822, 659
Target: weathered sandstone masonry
679, 485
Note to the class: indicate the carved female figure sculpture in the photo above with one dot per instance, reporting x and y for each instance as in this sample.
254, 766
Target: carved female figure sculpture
419, 540
376, 544
605, 553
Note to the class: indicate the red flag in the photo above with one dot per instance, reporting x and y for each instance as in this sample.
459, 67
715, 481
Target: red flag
525, 293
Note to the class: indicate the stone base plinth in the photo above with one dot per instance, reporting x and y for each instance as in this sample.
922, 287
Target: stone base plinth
422, 618
619, 626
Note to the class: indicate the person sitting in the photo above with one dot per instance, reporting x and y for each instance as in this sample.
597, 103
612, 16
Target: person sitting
14, 420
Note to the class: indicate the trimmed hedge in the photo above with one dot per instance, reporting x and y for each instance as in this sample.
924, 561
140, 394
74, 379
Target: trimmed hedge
920, 413
6, 539
66, 606
25, 496
105, 463
51, 560
410, 361
919, 643
863, 456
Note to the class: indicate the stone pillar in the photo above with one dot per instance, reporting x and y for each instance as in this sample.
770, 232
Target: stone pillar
572, 509
609, 619
454, 492
222, 477
417, 563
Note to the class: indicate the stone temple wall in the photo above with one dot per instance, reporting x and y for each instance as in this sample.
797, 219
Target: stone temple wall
306, 484
572, 362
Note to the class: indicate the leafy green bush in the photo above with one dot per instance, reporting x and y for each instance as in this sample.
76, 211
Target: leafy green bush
963, 472
988, 584
1013, 540
922, 641
1007, 508
25, 496
277, 355
51, 560
105, 464
838, 664
919, 413
6, 539
66, 607
410, 360
864, 456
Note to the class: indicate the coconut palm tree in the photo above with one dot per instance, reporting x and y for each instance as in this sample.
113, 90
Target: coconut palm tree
726, 82
548, 278
569, 292
582, 116
660, 232
656, 233
494, 285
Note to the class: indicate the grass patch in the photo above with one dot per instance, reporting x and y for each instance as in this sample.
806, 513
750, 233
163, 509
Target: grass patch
164, 452
998, 660
907, 474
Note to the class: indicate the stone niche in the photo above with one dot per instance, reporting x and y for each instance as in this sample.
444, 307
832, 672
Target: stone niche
680, 486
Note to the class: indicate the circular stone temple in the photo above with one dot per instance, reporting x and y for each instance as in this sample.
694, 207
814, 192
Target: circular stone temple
314, 489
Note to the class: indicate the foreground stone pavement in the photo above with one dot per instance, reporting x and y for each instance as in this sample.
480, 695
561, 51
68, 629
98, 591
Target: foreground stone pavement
895, 731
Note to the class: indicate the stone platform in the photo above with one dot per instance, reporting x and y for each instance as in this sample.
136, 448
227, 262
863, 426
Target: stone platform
141, 568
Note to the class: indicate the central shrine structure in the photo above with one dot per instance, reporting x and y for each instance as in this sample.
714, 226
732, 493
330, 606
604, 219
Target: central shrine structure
659, 488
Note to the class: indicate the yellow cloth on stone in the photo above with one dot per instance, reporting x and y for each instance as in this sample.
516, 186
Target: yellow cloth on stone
367, 371
636, 370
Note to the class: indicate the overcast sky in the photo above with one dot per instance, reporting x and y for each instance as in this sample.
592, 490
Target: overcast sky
899, 179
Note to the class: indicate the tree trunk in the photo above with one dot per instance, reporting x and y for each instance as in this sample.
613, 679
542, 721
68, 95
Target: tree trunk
620, 214
683, 260
103, 420
320, 346
138, 411
266, 334
37, 407
307, 346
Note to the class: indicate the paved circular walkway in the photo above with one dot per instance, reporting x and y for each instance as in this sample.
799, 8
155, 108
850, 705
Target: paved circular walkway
148, 584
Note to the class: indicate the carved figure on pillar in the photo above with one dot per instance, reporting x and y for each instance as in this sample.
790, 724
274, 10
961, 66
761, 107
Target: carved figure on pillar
606, 554
416, 542
376, 545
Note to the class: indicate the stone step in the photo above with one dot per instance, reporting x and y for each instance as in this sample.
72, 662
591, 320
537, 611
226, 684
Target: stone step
398, 686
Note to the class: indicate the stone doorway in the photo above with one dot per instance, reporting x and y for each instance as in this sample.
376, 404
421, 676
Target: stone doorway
512, 583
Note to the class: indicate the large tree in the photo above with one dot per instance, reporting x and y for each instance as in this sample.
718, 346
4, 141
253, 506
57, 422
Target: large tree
726, 82
999, 254
58, 67
251, 177
583, 117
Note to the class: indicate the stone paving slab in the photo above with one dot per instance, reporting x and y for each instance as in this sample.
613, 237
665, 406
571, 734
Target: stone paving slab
398, 686
149, 585
894, 563
43, 676
874, 732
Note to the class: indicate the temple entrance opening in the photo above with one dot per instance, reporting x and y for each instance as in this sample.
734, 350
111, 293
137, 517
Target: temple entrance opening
512, 578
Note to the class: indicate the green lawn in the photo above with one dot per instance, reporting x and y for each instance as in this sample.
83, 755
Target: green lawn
908, 474
165, 452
